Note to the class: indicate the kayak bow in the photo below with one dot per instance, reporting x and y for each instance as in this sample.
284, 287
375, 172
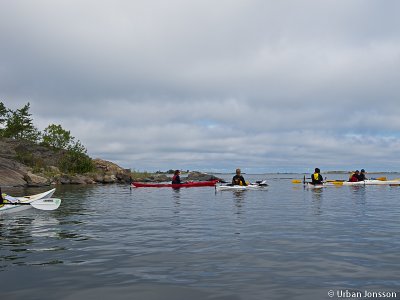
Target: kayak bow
40, 201
41, 204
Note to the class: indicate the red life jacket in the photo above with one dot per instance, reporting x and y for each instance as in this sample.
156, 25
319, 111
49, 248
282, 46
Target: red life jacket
174, 181
353, 178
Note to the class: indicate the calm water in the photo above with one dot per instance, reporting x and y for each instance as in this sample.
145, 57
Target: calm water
110, 242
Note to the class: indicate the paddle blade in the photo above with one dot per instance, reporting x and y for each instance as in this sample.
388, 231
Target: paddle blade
337, 182
381, 178
297, 181
263, 183
46, 204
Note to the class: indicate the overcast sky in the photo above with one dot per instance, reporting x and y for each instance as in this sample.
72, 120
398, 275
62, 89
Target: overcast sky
267, 86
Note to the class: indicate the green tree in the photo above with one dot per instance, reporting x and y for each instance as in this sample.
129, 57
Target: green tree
55, 136
3, 117
19, 125
77, 147
76, 160
3, 113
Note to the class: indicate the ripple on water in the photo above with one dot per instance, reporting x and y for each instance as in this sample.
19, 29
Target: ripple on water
286, 242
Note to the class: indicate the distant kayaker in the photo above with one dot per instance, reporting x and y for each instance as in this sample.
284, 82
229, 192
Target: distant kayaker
354, 176
316, 178
361, 176
176, 179
238, 178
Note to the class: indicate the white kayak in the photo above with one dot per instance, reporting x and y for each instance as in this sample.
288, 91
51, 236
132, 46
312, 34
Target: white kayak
348, 183
253, 186
366, 182
40, 201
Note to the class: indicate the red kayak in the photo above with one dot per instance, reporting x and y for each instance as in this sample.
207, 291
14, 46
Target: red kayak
175, 186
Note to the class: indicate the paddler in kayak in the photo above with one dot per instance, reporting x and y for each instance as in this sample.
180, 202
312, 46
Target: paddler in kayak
354, 177
176, 179
238, 178
316, 178
361, 176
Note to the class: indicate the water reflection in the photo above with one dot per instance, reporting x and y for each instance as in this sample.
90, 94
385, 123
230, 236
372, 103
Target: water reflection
15, 239
359, 193
44, 226
239, 195
317, 194
31, 237
317, 200
28, 237
176, 195
177, 206
232, 242
239, 200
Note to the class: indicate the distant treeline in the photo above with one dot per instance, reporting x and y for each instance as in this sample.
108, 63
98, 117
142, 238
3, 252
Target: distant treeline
18, 124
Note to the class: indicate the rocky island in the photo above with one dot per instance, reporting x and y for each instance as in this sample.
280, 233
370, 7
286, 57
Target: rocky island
30, 157
23, 163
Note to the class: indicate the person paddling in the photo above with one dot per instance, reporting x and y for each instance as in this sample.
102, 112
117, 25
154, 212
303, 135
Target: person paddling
176, 179
316, 178
361, 176
354, 176
238, 178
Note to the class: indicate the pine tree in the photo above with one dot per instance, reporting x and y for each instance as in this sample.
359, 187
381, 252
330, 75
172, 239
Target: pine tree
3, 117
19, 125
55, 136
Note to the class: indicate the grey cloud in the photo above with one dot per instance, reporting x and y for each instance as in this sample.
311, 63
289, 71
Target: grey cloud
276, 84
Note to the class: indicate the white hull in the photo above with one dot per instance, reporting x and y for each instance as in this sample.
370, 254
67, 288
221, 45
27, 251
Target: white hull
316, 186
357, 183
369, 182
240, 187
27, 199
